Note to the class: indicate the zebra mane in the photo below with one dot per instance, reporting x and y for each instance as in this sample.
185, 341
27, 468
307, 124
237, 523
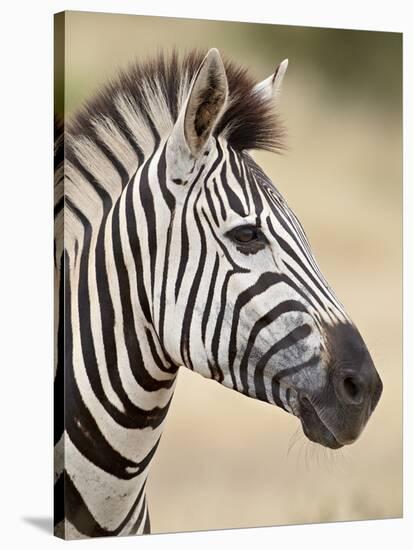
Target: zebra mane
148, 96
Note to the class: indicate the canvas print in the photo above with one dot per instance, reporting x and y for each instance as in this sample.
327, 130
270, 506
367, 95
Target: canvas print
200, 169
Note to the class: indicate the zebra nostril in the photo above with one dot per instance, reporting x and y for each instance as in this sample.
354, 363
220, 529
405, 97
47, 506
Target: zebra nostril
351, 390
351, 387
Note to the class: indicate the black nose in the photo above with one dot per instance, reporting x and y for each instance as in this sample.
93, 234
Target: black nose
358, 384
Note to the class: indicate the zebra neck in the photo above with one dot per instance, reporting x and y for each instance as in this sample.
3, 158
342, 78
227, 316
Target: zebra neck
118, 382
116, 351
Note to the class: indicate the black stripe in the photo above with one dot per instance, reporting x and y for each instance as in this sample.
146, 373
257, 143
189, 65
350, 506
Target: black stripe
166, 193
275, 382
147, 202
288, 306
135, 247
127, 134
216, 162
153, 128
303, 238
147, 526
314, 361
220, 243
58, 207
304, 285
289, 340
211, 205
302, 244
116, 163
207, 311
90, 178
59, 381
221, 204
233, 162
243, 178
59, 146
239, 174
190, 305
170, 201
288, 229
184, 237
160, 363
234, 203
78, 513
59, 499
220, 318
291, 253
275, 391
138, 521
256, 196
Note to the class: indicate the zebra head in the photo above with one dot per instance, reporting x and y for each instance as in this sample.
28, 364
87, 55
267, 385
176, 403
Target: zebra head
245, 302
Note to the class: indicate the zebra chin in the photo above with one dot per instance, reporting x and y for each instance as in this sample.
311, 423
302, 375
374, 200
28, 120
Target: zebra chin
314, 428
329, 425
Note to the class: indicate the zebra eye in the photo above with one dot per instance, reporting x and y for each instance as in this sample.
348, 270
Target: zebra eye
245, 234
249, 239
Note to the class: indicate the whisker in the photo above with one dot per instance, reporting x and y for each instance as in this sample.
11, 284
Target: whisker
295, 437
300, 451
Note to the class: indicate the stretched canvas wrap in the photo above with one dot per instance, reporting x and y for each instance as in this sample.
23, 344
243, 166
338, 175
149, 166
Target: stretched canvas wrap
210, 372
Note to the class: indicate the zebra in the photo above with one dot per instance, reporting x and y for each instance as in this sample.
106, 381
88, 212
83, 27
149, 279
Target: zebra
173, 248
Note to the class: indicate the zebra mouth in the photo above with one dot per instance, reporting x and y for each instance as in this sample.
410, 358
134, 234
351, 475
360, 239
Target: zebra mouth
313, 426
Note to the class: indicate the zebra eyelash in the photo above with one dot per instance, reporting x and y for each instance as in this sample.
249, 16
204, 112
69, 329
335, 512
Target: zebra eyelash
257, 242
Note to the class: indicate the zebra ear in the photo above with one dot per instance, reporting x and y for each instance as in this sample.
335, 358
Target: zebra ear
204, 105
271, 86
206, 99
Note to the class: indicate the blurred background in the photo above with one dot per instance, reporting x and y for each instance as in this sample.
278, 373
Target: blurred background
225, 460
